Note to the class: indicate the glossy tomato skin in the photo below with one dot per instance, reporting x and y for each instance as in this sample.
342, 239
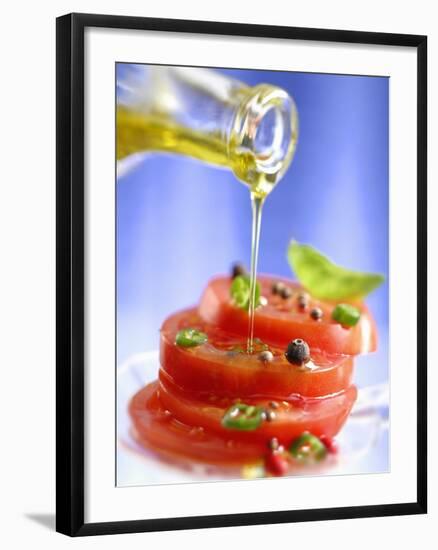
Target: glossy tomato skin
214, 368
320, 416
156, 428
283, 320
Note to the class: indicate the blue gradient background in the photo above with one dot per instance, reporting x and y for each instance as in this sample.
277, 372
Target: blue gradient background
179, 221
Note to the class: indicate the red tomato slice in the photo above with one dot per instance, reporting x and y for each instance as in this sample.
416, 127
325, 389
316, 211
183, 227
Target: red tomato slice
320, 416
282, 320
214, 368
154, 426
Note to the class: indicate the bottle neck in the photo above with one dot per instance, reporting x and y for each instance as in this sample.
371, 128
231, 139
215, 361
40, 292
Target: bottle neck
203, 114
263, 137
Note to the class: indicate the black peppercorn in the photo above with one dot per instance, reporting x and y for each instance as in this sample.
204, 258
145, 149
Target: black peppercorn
298, 352
277, 287
316, 313
285, 293
238, 269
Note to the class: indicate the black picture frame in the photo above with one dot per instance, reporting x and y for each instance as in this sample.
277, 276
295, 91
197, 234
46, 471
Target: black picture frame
70, 272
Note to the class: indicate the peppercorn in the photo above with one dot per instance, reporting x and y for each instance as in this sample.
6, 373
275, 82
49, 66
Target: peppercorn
277, 287
330, 444
298, 352
273, 404
266, 356
238, 269
316, 313
276, 464
303, 301
285, 293
270, 416
273, 444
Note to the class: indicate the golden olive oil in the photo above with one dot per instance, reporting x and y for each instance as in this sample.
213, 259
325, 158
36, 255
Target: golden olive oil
137, 132
142, 132
257, 206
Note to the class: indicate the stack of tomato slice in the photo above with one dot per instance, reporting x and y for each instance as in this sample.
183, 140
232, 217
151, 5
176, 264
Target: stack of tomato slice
214, 402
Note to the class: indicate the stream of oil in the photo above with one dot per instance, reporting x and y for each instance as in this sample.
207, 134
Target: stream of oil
257, 207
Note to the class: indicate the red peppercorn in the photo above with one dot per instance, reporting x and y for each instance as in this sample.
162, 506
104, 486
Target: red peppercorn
303, 301
330, 444
276, 464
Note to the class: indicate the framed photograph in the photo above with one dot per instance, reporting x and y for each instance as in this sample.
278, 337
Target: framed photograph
241, 274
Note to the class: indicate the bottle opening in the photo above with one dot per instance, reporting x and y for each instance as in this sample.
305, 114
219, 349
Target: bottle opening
272, 138
265, 135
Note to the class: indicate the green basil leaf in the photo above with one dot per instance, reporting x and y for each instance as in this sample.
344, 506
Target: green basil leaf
240, 292
326, 280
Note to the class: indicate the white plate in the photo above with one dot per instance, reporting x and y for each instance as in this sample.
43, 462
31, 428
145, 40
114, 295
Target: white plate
363, 441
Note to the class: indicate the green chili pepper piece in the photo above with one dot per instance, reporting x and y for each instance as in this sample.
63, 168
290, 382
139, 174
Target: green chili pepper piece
346, 314
243, 417
190, 337
240, 292
308, 448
